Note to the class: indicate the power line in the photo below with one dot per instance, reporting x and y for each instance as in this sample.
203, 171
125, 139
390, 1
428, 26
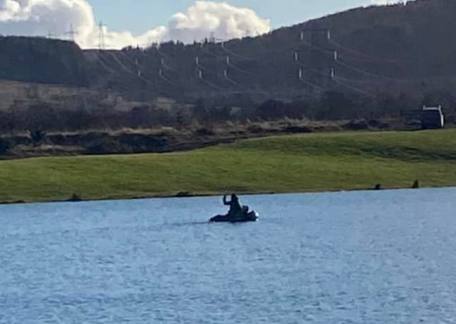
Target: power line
162, 54
160, 71
136, 73
163, 65
309, 83
226, 76
230, 64
166, 66
363, 56
199, 65
164, 78
326, 31
336, 59
134, 63
318, 48
200, 69
328, 53
122, 65
200, 75
235, 54
103, 64
363, 92
362, 71
204, 69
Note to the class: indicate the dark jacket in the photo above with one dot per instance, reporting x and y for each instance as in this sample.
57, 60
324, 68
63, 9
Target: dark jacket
235, 206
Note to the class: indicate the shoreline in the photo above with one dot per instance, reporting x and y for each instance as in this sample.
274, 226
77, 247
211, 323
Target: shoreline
208, 195
308, 163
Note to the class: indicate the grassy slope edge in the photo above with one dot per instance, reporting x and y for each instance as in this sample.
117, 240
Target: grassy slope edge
314, 162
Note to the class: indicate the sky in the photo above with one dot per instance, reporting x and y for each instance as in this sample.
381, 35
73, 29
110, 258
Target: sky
144, 14
142, 22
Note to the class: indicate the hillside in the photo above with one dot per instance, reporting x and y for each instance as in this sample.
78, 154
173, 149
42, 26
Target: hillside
302, 163
42, 60
403, 51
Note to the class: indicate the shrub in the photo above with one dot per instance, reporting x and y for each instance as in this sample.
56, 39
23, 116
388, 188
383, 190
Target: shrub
4, 146
37, 136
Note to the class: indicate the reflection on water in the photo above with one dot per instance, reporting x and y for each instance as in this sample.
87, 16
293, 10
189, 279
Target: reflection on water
360, 257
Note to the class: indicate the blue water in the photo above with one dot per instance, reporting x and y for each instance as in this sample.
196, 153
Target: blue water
359, 257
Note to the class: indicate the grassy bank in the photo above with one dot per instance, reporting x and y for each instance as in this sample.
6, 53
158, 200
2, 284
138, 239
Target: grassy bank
313, 162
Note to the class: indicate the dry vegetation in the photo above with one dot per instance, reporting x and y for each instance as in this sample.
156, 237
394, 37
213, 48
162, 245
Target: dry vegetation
164, 139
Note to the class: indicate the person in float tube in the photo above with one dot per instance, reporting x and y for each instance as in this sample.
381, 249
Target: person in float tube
235, 206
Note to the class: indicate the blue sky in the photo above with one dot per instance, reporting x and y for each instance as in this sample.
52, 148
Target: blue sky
140, 15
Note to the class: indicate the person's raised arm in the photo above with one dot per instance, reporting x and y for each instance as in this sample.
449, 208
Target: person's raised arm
225, 202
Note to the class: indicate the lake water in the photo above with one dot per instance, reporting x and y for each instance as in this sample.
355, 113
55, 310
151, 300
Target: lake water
359, 257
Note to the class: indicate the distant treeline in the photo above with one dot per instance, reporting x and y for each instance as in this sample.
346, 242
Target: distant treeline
331, 106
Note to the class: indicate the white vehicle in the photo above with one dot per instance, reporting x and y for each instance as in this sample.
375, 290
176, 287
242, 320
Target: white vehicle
432, 118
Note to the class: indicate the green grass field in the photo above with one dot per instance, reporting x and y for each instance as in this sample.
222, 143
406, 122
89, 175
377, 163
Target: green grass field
312, 162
